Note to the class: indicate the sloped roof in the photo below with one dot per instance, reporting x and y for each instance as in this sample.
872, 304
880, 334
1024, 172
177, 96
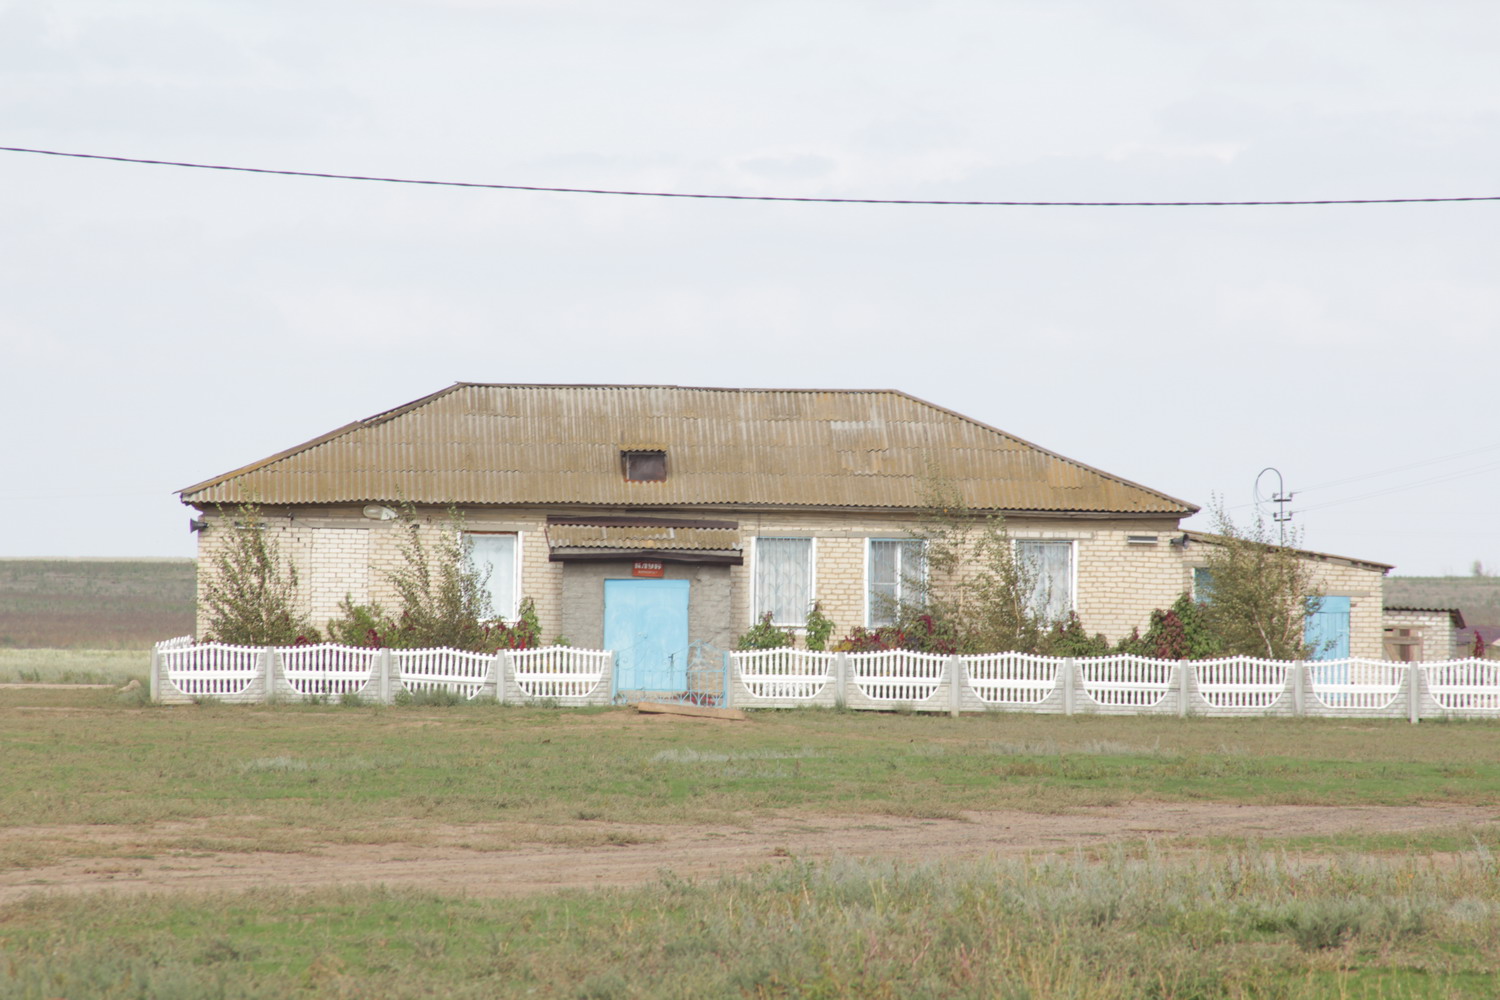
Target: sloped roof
1210, 538
549, 445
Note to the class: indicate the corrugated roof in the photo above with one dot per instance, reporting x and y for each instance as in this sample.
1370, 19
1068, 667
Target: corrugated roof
561, 444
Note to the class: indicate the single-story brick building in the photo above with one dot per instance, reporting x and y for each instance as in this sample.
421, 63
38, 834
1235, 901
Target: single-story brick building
640, 518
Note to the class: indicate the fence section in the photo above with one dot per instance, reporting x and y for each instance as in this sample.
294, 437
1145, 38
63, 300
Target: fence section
1358, 686
452, 671
787, 678
328, 671
1013, 680
559, 673
794, 675
1127, 682
1241, 684
898, 676
1464, 685
213, 670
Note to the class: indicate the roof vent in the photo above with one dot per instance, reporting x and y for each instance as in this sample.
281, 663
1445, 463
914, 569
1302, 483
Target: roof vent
644, 466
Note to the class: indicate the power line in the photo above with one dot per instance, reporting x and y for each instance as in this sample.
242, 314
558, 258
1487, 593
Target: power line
1401, 468
1432, 481
742, 197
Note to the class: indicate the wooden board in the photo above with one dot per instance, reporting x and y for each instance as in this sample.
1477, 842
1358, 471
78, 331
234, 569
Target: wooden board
696, 711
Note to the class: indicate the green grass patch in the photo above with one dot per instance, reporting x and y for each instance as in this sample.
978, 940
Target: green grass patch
74, 666
1239, 925
321, 773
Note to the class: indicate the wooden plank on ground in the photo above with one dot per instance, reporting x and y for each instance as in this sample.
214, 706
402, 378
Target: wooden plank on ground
695, 711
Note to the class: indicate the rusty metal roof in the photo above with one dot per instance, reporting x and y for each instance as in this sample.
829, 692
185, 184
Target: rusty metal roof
561, 445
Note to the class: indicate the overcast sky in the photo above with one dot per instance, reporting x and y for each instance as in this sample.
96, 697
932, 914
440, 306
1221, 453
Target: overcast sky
159, 326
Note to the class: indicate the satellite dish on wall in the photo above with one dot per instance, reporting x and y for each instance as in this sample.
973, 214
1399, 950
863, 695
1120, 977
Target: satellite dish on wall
376, 512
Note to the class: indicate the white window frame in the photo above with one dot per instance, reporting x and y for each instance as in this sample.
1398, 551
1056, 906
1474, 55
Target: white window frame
1072, 544
900, 578
507, 615
812, 577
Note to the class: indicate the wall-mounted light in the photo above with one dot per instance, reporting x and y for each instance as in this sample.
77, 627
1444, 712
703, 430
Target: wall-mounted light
196, 525
376, 512
1181, 540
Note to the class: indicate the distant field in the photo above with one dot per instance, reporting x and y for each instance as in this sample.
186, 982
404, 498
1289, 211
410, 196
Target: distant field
94, 603
1477, 596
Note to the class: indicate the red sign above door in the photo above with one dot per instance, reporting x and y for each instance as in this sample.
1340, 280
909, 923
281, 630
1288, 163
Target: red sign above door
648, 568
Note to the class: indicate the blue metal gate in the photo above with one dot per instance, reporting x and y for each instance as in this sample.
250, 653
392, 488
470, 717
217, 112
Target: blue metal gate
646, 624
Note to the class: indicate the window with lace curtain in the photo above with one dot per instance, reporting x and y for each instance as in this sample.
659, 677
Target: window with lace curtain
783, 579
1049, 564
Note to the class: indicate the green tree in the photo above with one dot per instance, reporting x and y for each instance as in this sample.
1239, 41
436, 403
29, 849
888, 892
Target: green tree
972, 594
251, 597
1262, 592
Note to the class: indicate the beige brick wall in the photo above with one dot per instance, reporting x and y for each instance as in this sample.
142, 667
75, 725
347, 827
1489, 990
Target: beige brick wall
1118, 583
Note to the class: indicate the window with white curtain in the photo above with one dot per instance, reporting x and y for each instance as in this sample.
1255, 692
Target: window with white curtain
493, 554
1049, 564
896, 570
783, 579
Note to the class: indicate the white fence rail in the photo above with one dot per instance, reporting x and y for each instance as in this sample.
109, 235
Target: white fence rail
787, 678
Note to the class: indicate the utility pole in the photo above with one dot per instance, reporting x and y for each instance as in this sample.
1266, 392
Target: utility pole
1280, 498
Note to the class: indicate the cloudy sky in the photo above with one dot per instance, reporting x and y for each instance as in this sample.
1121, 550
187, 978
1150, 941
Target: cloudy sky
159, 326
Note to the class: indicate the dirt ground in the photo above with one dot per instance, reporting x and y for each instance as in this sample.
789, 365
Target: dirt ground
437, 858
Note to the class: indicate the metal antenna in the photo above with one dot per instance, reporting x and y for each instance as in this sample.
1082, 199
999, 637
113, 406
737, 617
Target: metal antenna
1280, 498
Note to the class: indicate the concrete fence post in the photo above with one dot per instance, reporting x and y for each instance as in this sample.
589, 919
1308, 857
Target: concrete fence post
383, 677
1413, 694
270, 675
1070, 687
728, 680
955, 676
841, 679
155, 680
1299, 688
1182, 688
502, 667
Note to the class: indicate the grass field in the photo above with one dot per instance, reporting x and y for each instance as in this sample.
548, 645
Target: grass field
94, 603
95, 781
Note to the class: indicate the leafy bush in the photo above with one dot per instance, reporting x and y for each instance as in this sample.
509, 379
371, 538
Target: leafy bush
764, 635
1068, 638
1178, 633
819, 628
922, 634
251, 598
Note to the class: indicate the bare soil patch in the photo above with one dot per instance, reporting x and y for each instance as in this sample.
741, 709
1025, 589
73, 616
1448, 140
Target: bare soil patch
446, 859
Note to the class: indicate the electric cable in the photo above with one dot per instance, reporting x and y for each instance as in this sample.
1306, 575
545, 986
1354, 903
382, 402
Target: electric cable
743, 197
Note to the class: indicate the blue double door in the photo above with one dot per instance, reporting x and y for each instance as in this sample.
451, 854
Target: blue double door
646, 624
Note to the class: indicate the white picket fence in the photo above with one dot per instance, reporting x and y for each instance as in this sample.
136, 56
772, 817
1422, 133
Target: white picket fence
1119, 684
893, 679
182, 671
